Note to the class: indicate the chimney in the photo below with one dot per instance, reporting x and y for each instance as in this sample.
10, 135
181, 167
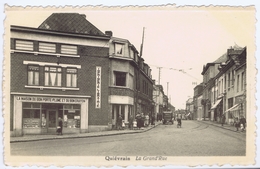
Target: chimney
109, 33
83, 15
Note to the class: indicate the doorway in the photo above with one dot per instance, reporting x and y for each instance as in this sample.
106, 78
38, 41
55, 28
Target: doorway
52, 120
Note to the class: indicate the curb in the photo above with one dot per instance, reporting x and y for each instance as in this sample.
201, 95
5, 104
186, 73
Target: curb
81, 136
218, 126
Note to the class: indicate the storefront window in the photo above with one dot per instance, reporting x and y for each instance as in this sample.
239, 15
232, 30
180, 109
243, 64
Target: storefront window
31, 115
71, 116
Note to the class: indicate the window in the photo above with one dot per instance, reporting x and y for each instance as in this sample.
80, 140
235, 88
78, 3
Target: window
31, 115
52, 76
71, 115
24, 45
71, 77
228, 79
131, 53
69, 49
119, 50
33, 75
120, 78
237, 83
47, 47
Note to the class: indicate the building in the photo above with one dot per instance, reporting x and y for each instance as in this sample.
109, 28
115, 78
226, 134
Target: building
197, 93
158, 96
131, 82
52, 75
209, 72
190, 108
68, 68
231, 82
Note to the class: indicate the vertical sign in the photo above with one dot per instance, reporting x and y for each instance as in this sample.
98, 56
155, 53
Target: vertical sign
98, 87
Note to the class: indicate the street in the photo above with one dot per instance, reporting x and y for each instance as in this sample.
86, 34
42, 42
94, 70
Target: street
193, 139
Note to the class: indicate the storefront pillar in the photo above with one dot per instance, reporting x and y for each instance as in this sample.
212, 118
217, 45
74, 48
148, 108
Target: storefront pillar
84, 117
126, 113
18, 130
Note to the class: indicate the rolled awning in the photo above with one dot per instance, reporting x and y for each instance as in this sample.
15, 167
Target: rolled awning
235, 107
215, 105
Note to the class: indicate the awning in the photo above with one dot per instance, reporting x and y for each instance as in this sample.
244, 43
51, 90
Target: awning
235, 107
215, 105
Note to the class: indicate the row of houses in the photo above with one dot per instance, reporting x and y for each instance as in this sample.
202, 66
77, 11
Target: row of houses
223, 90
68, 68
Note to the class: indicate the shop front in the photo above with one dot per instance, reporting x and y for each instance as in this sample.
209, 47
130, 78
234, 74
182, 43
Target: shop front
39, 114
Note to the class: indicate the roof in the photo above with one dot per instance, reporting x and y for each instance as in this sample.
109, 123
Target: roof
70, 22
222, 59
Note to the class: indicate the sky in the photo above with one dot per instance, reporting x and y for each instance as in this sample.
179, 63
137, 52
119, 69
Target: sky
174, 38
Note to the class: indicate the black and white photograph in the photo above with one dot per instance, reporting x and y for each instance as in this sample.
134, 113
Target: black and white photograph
133, 85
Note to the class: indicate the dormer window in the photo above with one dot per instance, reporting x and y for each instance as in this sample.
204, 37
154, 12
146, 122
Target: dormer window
119, 49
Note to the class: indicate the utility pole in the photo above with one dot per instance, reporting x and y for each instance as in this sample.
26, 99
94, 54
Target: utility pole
159, 78
139, 67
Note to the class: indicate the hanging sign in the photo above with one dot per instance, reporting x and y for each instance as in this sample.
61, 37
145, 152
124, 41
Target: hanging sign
98, 87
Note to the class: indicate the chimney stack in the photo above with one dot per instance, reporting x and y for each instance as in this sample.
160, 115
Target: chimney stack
109, 33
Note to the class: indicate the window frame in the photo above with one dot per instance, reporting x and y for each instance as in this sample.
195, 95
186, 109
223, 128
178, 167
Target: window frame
122, 52
68, 46
34, 79
116, 73
71, 81
56, 78
24, 49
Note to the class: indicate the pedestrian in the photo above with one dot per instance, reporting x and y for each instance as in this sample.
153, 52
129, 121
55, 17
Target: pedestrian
237, 123
152, 120
59, 127
119, 123
223, 119
243, 123
138, 120
131, 122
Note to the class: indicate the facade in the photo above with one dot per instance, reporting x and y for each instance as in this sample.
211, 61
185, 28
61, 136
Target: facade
190, 108
52, 75
158, 94
233, 72
76, 72
225, 93
130, 84
197, 93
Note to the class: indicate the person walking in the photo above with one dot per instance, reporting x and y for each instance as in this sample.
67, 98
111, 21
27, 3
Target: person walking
131, 120
237, 123
223, 119
243, 122
119, 123
138, 120
59, 127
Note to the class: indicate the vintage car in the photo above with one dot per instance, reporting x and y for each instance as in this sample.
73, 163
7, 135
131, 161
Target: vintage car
167, 117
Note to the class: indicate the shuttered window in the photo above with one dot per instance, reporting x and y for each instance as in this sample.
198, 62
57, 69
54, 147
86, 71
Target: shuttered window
47, 47
69, 49
24, 45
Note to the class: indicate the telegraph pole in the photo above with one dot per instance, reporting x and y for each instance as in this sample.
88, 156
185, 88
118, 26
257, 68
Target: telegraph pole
159, 78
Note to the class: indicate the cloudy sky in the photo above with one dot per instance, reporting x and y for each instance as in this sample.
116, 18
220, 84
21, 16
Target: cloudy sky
175, 38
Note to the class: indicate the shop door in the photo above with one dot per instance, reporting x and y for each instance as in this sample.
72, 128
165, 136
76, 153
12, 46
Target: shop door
52, 121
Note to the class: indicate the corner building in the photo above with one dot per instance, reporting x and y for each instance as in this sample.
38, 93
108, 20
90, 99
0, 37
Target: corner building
59, 70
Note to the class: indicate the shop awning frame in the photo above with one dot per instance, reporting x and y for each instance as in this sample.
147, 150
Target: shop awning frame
233, 108
215, 105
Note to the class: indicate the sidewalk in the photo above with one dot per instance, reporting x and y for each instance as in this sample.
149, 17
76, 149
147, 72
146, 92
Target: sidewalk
27, 138
225, 126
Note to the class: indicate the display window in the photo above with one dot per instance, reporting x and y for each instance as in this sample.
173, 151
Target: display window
31, 115
71, 116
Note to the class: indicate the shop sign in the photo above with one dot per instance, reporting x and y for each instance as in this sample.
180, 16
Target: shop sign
98, 87
49, 99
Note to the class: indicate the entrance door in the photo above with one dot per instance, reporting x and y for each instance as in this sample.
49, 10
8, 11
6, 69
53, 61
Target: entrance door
52, 121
